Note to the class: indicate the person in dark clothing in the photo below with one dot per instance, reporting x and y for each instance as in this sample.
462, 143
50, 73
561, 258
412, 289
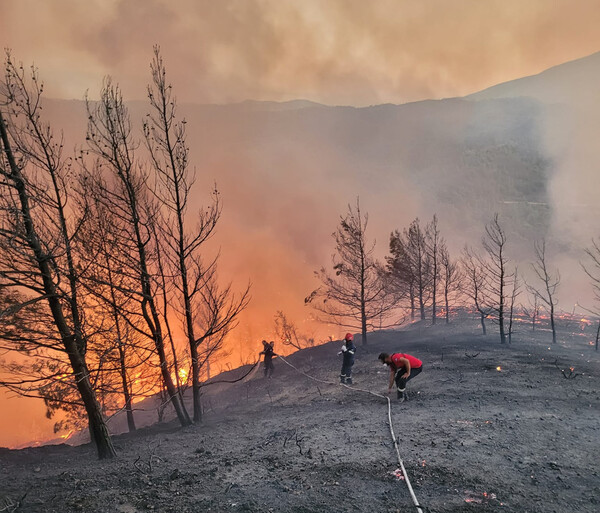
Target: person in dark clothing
268, 359
348, 350
403, 367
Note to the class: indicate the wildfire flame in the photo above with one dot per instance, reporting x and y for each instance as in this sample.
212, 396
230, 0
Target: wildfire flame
498, 368
66, 436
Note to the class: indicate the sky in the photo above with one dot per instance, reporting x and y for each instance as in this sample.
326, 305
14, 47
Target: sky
335, 52
348, 52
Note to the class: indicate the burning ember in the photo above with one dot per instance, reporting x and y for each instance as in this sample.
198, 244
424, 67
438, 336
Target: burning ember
498, 368
474, 498
67, 435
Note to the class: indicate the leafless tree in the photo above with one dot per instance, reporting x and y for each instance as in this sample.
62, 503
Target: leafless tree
355, 296
216, 313
451, 279
166, 286
287, 333
516, 291
496, 273
533, 313
434, 243
36, 237
420, 263
166, 143
475, 284
125, 191
592, 269
550, 281
126, 353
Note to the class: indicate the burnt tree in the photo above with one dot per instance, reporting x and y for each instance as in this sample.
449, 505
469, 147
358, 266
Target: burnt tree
125, 191
496, 273
355, 295
451, 276
434, 243
474, 285
516, 291
37, 233
286, 331
546, 291
420, 263
401, 277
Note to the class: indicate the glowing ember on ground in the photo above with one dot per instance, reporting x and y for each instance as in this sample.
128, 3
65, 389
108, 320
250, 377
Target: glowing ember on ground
474, 498
498, 368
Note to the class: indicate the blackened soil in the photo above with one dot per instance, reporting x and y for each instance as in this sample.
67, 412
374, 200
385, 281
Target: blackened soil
487, 427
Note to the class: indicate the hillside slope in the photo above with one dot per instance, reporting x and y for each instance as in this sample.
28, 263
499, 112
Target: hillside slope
472, 437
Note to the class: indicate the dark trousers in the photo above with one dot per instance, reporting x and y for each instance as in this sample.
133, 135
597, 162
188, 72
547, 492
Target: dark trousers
268, 367
401, 382
346, 370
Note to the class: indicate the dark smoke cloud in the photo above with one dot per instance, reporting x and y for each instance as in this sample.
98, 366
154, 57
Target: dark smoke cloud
335, 52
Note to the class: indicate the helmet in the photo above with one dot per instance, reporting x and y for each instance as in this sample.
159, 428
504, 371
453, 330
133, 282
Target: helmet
349, 336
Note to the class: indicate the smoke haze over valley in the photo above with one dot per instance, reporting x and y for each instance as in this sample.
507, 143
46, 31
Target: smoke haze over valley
287, 171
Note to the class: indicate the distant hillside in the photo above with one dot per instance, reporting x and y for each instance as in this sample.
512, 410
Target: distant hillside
574, 82
275, 163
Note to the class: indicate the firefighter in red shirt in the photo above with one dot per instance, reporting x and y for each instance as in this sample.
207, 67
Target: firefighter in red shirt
403, 367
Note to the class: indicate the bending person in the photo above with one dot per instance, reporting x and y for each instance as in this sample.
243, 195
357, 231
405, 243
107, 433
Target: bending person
403, 367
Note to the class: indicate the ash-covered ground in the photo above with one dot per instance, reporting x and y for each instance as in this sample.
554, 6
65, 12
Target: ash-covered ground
487, 427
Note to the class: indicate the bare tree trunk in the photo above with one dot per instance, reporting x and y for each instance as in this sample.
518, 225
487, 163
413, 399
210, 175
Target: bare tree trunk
513, 299
482, 321
434, 243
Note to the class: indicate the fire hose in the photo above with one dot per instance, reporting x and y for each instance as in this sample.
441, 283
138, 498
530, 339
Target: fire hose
389, 405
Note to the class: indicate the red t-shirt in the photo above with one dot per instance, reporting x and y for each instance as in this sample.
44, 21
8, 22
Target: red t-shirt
397, 364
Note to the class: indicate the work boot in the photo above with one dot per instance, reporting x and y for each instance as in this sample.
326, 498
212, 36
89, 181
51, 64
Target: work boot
348, 381
400, 396
342, 379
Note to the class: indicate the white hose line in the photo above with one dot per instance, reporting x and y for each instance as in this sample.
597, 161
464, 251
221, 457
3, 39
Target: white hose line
389, 404
252, 373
